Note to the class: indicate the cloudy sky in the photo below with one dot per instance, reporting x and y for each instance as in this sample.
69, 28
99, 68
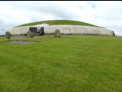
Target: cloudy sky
106, 14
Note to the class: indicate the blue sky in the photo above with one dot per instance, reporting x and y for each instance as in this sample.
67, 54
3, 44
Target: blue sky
106, 14
92, 4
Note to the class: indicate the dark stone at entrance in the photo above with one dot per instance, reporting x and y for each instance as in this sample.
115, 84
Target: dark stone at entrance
42, 31
33, 29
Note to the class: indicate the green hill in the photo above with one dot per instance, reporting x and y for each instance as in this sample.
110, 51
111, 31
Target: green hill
59, 22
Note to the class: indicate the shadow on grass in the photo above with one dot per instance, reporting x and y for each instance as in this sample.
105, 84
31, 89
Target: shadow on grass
21, 42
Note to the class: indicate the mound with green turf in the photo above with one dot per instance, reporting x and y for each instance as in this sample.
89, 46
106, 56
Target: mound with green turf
59, 22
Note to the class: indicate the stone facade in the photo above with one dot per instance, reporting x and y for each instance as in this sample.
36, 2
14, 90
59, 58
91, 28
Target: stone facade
64, 29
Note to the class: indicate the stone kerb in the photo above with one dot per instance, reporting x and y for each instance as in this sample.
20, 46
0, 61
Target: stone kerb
57, 33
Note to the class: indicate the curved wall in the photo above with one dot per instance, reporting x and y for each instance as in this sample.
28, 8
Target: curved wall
65, 29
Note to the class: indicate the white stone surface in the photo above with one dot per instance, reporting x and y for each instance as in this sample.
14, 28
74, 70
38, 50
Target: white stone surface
18, 30
72, 29
64, 29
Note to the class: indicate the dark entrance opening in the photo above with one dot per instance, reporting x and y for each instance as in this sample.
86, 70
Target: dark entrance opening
42, 31
34, 30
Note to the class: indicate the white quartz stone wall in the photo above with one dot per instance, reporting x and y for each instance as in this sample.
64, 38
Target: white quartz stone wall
65, 29
18, 30
68, 29
25, 29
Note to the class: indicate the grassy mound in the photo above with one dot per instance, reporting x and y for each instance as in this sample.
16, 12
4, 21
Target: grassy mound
59, 22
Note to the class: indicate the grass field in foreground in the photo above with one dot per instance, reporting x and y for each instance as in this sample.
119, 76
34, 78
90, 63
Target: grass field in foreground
78, 64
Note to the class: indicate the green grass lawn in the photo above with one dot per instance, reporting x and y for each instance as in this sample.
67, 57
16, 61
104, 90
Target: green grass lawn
59, 22
81, 63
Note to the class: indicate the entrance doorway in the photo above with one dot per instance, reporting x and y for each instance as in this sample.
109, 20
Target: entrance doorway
42, 31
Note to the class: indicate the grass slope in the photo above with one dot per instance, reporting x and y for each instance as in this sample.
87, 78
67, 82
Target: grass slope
79, 64
59, 22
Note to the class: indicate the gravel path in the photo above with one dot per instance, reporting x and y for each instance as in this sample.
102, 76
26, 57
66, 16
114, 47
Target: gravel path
20, 42
19, 37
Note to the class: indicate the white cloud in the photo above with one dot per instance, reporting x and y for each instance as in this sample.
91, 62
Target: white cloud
107, 14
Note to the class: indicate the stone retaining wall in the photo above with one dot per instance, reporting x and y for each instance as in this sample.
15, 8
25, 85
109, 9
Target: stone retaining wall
66, 29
